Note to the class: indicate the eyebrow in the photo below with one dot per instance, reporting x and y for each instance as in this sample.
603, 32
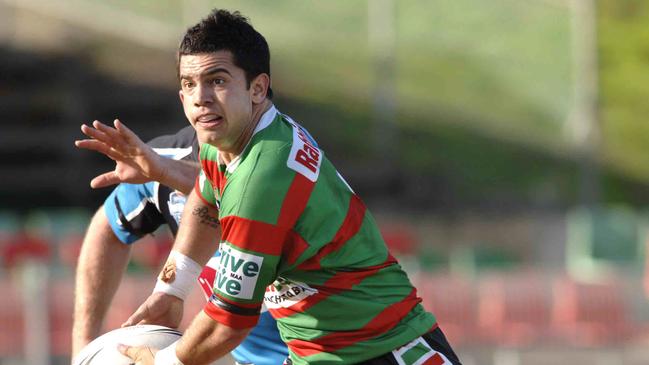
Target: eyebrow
208, 72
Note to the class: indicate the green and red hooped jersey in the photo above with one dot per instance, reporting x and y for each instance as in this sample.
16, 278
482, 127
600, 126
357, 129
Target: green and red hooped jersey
296, 237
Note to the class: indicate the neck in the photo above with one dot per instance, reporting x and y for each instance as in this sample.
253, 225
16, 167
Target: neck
242, 142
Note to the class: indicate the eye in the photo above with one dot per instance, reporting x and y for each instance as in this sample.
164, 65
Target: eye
218, 81
187, 84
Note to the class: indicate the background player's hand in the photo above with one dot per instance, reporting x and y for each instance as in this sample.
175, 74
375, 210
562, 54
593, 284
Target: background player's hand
135, 161
139, 355
159, 308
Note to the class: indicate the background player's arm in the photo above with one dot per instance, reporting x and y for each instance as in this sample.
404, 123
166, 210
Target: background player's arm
198, 238
135, 161
102, 262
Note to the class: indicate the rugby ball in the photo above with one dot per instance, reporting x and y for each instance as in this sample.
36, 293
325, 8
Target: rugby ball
103, 349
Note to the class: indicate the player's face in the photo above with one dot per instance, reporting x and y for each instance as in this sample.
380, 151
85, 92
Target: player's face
217, 100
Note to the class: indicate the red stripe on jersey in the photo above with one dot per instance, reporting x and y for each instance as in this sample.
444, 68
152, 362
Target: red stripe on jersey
253, 235
210, 168
197, 188
214, 174
206, 280
340, 282
344, 280
383, 322
228, 318
349, 228
434, 360
221, 181
295, 246
295, 201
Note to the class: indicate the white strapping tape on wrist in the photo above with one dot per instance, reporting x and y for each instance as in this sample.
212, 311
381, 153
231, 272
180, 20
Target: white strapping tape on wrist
167, 356
178, 276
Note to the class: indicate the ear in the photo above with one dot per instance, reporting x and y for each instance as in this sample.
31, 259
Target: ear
181, 95
259, 88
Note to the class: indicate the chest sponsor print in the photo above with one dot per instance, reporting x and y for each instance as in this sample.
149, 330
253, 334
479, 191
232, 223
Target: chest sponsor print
283, 294
237, 272
305, 157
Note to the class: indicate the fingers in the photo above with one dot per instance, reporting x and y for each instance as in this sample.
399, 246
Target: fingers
112, 133
128, 134
138, 317
135, 353
93, 132
140, 355
130, 351
107, 135
113, 136
106, 179
95, 145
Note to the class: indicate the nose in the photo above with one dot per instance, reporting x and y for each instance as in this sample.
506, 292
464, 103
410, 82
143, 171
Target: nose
204, 95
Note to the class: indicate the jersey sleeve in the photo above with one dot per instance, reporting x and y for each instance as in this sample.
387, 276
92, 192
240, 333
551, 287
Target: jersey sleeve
204, 189
206, 179
131, 211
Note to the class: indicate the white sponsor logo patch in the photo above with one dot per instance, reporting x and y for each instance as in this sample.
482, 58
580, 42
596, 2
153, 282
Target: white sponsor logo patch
305, 158
176, 205
237, 272
283, 294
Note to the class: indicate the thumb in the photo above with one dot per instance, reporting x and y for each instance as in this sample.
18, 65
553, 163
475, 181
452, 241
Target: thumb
133, 352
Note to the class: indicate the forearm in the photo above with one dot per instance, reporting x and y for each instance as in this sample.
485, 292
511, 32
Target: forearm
101, 263
196, 241
178, 174
199, 232
206, 340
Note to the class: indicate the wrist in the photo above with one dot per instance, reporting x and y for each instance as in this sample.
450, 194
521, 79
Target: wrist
178, 275
160, 171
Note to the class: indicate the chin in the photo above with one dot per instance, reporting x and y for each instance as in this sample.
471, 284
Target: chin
206, 137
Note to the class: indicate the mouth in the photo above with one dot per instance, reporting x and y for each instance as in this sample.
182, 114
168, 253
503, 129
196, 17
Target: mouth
209, 120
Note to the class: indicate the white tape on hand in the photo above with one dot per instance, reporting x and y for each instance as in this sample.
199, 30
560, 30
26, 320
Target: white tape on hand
178, 275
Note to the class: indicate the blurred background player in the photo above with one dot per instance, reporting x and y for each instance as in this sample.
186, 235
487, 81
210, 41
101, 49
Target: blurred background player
153, 180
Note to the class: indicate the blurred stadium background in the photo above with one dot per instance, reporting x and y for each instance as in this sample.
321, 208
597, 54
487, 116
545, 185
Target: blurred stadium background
503, 146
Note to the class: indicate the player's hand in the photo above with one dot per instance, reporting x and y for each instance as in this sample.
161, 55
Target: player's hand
139, 355
135, 161
159, 308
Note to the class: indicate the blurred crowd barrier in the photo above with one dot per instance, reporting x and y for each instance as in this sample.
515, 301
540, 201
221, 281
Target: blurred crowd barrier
515, 290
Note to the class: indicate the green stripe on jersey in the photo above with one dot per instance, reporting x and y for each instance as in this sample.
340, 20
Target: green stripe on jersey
206, 188
415, 353
373, 294
256, 189
364, 249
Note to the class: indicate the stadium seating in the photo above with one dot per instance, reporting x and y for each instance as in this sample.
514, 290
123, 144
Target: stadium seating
513, 308
589, 314
11, 320
452, 299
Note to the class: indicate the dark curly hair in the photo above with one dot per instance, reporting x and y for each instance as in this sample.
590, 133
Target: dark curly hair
229, 31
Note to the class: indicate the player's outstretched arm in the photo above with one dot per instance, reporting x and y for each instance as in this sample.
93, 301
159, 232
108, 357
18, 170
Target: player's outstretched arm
196, 241
101, 263
135, 161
